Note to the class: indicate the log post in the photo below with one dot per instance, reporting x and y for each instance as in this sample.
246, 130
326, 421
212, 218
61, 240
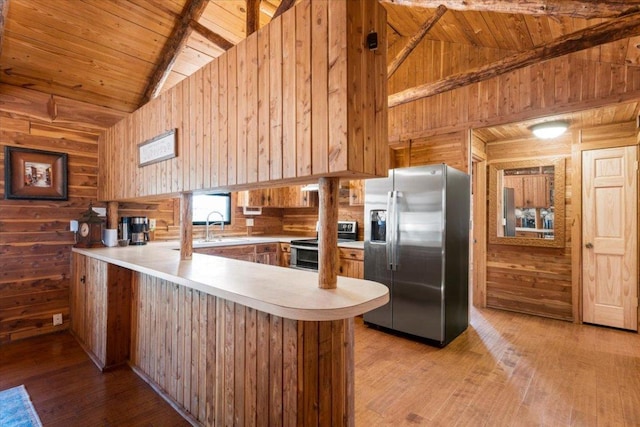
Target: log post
112, 215
186, 226
328, 233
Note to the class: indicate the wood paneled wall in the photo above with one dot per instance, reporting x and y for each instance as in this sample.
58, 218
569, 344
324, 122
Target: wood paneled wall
532, 279
271, 109
452, 149
35, 240
227, 364
302, 221
586, 79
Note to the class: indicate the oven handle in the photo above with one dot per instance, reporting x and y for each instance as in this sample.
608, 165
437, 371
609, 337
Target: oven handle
305, 248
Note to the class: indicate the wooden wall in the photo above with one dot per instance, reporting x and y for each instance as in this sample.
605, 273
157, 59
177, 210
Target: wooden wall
452, 149
227, 364
530, 279
35, 240
271, 109
586, 79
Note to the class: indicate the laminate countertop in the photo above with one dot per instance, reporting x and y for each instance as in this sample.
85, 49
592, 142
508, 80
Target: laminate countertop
284, 292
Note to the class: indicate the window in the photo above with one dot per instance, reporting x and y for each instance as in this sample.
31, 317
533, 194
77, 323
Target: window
204, 204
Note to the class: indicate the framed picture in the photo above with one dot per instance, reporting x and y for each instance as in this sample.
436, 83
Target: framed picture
34, 174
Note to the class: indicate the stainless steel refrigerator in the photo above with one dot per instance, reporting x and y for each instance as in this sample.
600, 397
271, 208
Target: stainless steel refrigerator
417, 244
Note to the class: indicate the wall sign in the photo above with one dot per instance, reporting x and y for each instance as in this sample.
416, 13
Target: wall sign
155, 150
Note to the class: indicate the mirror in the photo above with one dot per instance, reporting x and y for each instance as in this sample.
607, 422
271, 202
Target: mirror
526, 203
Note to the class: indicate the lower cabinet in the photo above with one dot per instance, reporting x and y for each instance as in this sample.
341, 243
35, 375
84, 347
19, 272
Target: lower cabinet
101, 309
351, 263
263, 253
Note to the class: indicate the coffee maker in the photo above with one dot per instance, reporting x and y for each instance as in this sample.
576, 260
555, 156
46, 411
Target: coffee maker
134, 228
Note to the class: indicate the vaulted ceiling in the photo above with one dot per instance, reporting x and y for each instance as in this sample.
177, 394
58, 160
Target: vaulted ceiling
120, 53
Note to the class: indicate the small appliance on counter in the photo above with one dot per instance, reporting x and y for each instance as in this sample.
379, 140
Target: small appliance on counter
135, 229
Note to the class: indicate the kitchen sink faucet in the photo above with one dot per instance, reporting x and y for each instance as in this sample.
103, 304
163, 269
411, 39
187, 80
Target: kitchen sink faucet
206, 232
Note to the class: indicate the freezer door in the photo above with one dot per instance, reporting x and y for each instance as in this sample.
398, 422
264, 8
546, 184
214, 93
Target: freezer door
418, 279
377, 245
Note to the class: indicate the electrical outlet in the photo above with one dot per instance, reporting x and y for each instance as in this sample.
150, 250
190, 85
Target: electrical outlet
57, 319
152, 223
249, 222
73, 225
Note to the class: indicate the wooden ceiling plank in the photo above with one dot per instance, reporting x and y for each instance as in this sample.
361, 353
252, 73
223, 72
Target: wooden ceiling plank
627, 26
212, 36
193, 10
586, 9
414, 40
253, 16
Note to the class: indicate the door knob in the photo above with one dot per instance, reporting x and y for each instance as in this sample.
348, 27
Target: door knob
588, 245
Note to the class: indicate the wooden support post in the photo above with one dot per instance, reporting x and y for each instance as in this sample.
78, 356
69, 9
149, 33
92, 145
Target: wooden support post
328, 238
186, 226
112, 215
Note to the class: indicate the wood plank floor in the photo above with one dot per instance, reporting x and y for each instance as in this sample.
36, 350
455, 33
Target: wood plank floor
505, 370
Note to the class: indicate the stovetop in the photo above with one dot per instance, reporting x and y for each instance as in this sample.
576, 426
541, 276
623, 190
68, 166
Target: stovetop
347, 232
314, 242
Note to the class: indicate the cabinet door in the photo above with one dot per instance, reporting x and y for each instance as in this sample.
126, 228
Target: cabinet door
516, 183
356, 192
242, 252
284, 254
267, 253
77, 301
351, 263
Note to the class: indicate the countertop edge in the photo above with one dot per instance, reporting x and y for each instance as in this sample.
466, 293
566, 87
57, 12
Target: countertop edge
280, 291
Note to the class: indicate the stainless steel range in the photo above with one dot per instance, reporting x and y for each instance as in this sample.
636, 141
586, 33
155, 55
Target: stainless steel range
304, 252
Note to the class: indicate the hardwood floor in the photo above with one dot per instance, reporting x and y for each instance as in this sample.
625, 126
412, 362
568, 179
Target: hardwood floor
68, 390
505, 370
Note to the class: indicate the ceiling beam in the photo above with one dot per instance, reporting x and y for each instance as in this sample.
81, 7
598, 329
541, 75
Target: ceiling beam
575, 8
191, 12
284, 6
253, 17
4, 10
610, 31
212, 36
414, 40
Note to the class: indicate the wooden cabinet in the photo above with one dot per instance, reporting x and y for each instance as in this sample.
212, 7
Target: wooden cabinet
351, 263
282, 197
356, 192
284, 252
264, 253
530, 191
101, 309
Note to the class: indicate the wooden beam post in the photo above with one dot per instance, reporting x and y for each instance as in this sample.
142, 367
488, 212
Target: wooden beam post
212, 36
112, 215
186, 226
284, 6
414, 40
192, 11
328, 238
586, 9
610, 31
4, 10
253, 17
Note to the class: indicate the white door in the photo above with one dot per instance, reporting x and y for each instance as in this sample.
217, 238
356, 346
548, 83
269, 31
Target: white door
610, 237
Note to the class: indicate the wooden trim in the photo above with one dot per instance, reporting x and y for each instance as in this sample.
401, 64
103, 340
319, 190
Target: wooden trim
586, 9
479, 285
624, 27
415, 40
212, 36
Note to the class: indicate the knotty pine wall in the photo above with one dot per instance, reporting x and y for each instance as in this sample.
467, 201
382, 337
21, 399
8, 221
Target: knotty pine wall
299, 98
586, 79
35, 241
425, 131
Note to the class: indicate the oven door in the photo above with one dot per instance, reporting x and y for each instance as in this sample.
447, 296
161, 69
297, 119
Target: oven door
304, 258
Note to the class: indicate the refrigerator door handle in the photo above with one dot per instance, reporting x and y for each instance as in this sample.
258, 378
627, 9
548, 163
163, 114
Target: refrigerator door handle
389, 237
396, 230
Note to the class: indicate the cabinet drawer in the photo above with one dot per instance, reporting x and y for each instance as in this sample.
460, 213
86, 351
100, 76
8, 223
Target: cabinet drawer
355, 254
267, 248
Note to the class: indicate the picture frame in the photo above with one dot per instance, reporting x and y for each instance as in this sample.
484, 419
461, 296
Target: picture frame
35, 174
157, 149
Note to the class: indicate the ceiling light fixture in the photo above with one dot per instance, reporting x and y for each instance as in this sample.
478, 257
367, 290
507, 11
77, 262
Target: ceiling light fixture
549, 130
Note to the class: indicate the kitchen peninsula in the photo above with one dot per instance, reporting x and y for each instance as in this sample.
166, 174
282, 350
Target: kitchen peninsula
225, 341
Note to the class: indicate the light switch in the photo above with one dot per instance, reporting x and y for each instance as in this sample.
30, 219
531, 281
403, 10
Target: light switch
249, 222
73, 225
